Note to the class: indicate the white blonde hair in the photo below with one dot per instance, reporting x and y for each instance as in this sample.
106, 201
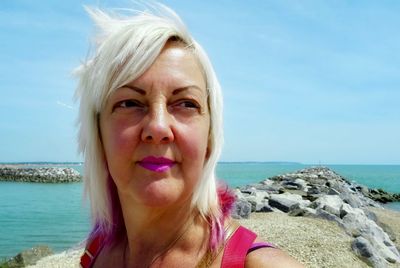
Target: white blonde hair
126, 46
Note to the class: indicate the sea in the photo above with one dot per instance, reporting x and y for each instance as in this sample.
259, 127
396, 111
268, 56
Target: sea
55, 215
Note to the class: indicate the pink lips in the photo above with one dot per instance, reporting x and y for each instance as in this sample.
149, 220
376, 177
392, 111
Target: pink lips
157, 164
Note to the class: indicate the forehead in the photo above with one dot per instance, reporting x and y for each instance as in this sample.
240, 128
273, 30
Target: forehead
176, 66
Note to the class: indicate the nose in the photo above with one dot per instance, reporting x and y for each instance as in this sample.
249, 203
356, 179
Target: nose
157, 127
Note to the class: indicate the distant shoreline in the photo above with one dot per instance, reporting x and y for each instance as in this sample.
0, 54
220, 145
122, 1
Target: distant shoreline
15, 164
40, 174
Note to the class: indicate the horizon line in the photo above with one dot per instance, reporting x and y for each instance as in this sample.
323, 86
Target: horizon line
219, 162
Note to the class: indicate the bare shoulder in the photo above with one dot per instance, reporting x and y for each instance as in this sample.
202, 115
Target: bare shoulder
270, 257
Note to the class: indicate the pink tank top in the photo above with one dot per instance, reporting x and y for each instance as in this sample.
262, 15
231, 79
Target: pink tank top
236, 249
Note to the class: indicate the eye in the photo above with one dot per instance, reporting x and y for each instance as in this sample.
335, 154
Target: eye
186, 107
128, 104
190, 104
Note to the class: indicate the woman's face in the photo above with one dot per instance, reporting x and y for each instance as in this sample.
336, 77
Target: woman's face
155, 131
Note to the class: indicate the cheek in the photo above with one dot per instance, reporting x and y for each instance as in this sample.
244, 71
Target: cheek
118, 139
195, 145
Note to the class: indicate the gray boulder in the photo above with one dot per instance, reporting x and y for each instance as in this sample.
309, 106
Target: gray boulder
29, 257
358, 225
264, 206
363, 249
287, 202
257, 200
238, 194
352, 199
329, 203
302, 211
320, 213
242, 209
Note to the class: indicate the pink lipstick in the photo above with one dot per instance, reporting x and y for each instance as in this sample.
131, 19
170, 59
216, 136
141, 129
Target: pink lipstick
156, 164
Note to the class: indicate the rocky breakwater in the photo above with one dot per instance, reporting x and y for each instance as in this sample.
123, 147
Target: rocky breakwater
320, 192
27, 257
41, 175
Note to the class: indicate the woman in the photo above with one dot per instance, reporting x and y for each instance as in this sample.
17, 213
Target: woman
150, 131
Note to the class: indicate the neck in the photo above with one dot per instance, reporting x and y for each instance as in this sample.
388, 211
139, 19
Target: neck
152, 232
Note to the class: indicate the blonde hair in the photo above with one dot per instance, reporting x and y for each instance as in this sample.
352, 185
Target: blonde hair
126, 46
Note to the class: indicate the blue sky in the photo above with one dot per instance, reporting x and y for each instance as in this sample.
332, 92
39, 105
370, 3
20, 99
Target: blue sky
305, 81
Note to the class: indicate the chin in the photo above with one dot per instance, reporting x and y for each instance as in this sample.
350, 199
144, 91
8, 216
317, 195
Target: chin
161, 195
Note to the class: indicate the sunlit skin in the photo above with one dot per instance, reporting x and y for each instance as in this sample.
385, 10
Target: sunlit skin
163, 113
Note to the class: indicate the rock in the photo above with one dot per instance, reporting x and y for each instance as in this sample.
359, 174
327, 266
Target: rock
264, 206
282, 204
29, 257
249, 190
291, 185
287, 202
252, 202
353, 222
257, 200
364, 190
370, 215
346, 209
320, 213
358, 225
302, 211
302, 183
320, 192
333, 192
268, 186
41, 175
352, 199
314, 190
380, 195
330, 203
363, 248
242, 209
387, 229
238, 194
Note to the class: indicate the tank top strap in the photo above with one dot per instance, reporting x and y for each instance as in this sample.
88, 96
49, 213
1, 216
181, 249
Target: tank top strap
92, 249
236, 248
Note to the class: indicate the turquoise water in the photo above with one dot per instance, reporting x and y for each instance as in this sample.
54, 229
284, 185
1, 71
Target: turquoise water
237, 174
32, 214
386, 177
53, 214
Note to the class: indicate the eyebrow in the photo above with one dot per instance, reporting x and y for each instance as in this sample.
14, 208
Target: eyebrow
174, 92
138, 90
179, 90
